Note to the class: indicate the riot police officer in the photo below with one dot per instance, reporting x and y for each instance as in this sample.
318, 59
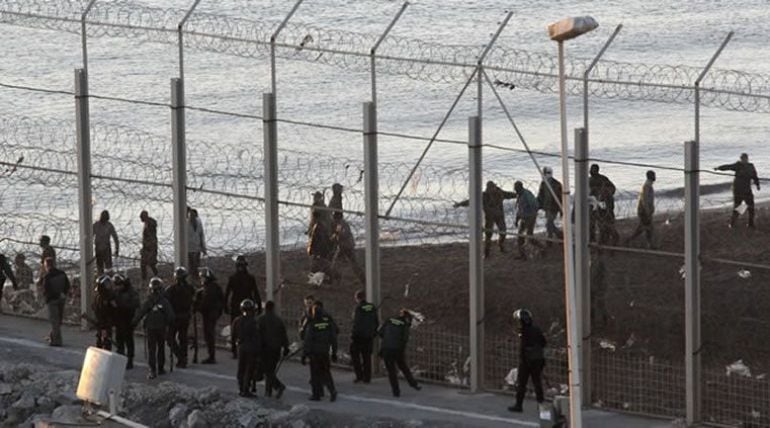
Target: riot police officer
158, 316
241, 286
104, 306
180, 296
395, 335
320, 338
127, 300
365, 323
531, 358
210, 302
249, 342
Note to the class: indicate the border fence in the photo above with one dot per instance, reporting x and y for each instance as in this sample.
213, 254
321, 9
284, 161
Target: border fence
131, 167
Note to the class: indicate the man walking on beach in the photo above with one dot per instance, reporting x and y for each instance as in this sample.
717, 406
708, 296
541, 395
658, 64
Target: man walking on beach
745, 173
645, 208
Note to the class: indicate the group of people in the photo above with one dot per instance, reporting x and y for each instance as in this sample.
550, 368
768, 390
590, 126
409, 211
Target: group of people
318, 332
330, 239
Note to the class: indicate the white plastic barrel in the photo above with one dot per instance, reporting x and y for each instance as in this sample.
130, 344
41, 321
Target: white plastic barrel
102, 371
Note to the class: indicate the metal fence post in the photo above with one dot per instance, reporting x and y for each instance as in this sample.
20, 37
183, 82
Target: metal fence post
371, 185
272, 239
692, 282
582, 256
83, 126
179, 170
475, 261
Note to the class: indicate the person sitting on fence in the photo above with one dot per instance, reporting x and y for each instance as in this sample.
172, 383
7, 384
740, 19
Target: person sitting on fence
745, 173
494, 215
319, 213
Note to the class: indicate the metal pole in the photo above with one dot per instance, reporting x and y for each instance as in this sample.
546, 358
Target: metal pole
179, 170
371, 186
272, 239
692, 283
693, 344
180, 33
273, 38
83, 35
573, 337
83, 127
373, 51
475, 260
582, 228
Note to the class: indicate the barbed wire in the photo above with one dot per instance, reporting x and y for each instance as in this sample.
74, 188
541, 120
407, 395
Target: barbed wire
413, 58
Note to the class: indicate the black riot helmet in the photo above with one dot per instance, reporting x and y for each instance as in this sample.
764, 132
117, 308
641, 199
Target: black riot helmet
180, 273
156, 285
248, 306
103, 282
523, 316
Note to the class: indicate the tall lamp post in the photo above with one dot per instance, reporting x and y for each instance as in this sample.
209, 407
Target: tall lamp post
560, 32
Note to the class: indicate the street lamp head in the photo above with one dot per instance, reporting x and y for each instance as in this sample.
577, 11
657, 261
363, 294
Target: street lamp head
570, 28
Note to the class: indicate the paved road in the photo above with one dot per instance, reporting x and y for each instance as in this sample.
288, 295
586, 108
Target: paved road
21, 340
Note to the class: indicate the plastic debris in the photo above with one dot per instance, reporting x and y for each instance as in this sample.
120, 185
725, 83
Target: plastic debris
626, 405
631, 303
510, 378
606, 344
744, 274
225, 331
316, 279
417, 318
406, 290
563, 389
738, 368
755, 414
761, 376
630, 341
683, 272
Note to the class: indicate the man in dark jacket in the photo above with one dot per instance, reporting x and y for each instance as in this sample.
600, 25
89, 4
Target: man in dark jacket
149, 252
365, 323
603, 189
247, 335
6, 272
335, 203
56, 286
745, 173
241, 286
210, 302
104, 230
531, 358
395, 336
272, 331
320, 337
104, 306
549, 201
47, 252
158, 315
127, 300
180, 295
492, 202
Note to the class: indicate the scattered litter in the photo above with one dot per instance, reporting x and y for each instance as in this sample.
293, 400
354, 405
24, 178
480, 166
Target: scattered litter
453, 376
761, 376
599, 404
626, 405
225, 331
683, 272
563, 389
406, 290
389, 235
417, 318
741, 209
667, 222
630, 341
510, 378
606, 344
631, 303
744, 274
738, 368
755, 414
652, 359
316, 279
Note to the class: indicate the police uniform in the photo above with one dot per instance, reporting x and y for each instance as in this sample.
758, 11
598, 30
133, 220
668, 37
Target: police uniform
320, 337
210, 302
180, 296
395, 335
158, 315
365, 323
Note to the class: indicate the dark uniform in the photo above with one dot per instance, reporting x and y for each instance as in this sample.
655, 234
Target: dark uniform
272, 331
241, 286
320, 337
492, 202
210, 302
249, 346
56, 286
127, 300
6, 272
365, 323
531, 362
48, 252
395, 335
550, 205
603, 189
180, 296
745, 173
158, 316
104, 306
